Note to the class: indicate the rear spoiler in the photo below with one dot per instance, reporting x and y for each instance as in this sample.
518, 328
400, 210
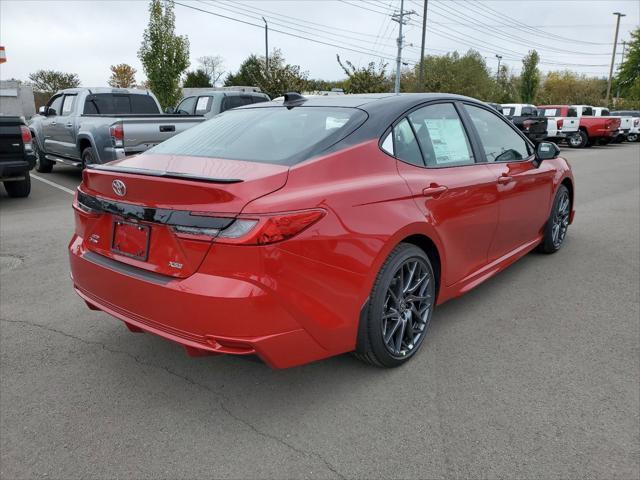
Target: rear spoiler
162, 173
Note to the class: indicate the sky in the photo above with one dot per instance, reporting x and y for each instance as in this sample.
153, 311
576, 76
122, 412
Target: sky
87, 36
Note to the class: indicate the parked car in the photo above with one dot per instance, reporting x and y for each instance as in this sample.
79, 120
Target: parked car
527, 118
317, 226
213, 102
16, 156
495, 106
634, 133
566, 126
626, 122
591, 129
82, 126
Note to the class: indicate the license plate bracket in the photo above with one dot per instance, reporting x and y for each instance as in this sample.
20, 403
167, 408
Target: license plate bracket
131, 239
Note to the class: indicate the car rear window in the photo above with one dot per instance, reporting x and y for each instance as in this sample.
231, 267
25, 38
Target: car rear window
552, 112
271, 135
508, 111
120, 104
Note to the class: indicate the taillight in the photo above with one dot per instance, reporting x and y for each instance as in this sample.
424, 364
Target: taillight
636, 122
117, 134
26, 138
259, 229
527, 124
560, 123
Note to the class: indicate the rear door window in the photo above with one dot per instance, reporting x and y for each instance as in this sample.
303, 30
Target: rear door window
441, 136
234, 101
587, 111
572, 112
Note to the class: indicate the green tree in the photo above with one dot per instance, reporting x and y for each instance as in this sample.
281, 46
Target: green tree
197, 79
369, 79
506, 90
628, 76
452, 73
50, 81
164, 55
280, 78
122, 76
530, 77
569, 87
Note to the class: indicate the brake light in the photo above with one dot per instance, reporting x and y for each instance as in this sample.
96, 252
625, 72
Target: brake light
527, 124
636, 122
117, 134
267, 229
26, 138
560, 123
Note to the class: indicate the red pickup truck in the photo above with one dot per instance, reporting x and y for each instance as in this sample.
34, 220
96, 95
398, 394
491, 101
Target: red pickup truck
592, 129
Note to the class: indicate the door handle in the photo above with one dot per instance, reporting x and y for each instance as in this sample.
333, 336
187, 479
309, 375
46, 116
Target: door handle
53, 124
504, 178
434, 190
69, 124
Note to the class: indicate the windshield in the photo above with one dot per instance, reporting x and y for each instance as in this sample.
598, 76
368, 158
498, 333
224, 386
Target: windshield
270, 135
120, 104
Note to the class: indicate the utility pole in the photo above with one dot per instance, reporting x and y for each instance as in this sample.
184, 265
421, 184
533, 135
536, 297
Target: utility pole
399, 17
424, 36
613, 55
499, 57
266, 45
624, 48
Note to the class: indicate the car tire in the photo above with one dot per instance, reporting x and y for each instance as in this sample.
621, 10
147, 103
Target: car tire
42, 164
555, 230
604, 141
632, 137
88, 157
19, 188
398, 314
580, 139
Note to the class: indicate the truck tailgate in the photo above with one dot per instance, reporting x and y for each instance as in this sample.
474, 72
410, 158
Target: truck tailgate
142, 133
11, 147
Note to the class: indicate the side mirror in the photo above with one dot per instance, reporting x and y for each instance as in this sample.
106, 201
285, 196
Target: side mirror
547, 151
169, 110
42, 111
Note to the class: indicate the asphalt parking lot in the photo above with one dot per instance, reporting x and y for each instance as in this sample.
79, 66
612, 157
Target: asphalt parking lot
535, 373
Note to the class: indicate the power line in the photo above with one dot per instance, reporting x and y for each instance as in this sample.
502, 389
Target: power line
302, 37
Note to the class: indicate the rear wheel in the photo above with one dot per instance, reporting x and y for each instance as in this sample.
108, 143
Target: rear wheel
578, 139
19, 188
555, 230
399, 310
632, 137
88, 157
42, 164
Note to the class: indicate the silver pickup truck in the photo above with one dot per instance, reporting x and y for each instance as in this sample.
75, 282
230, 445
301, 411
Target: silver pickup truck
80, 126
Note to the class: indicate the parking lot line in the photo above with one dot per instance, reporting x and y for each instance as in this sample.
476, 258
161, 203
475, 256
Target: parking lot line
53, 184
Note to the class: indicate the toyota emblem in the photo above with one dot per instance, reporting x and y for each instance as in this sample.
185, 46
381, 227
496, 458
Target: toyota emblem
119, 188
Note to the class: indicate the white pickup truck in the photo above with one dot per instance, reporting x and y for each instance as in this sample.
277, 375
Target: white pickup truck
514, 110
626, 123
567, 126
634, 134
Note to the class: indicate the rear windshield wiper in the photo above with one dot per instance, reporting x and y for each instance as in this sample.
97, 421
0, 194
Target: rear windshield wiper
163, 174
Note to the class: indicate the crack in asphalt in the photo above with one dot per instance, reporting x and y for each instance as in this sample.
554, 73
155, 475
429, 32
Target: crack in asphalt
191, 381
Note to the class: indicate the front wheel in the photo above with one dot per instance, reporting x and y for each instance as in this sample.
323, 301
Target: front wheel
19, 188
400, 307
555, 231
632, 137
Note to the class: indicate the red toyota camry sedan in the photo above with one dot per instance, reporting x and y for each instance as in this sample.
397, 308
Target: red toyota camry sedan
307, 228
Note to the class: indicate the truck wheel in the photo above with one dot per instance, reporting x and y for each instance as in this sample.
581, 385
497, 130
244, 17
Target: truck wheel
19, 188
42, 164
604, 141
632, 137
578, 140
88, 157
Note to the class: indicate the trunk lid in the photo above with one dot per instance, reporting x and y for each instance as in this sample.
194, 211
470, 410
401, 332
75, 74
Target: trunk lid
137, 224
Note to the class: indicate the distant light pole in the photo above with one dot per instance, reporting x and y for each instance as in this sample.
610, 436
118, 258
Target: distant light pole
499, 57
613, 55
400, 18
624, 48
266, 45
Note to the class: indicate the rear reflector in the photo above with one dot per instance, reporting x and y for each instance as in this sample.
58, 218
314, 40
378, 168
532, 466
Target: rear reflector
26, 138
117, 134
560, 123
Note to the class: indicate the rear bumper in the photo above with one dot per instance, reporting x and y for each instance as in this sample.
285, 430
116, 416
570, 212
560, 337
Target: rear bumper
207, 314
17, 167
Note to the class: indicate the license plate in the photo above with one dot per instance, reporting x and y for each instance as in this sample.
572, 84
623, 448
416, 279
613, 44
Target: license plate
130, 239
